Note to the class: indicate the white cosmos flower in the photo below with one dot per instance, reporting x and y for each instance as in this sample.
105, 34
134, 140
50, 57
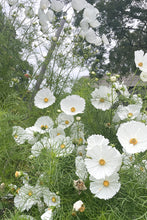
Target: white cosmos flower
19, 134
43, 124
50, 15
51, 199
57, 133
84, 25
122, 88
92, 38
29, 12
30, 135
48, 215
103, 160
105, 40
141, 60
64, 120
57, 5
90, 13
127, 160
103, 98
81, 151
96, 139
12, 2
26, 198
72, 105
44, 98
142, 118
143, 76
42, 18
133, 137
77, 205
44, 4
63, 146
137, 99
130, 111
36, 149
77, 133
79, 5
105, 188
81, 170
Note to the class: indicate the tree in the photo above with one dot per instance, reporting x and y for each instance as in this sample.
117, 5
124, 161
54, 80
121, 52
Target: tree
124, 24
12, 67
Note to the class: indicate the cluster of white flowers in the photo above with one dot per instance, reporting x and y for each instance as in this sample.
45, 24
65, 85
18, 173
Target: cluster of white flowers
141, 63
88, 24
28, 195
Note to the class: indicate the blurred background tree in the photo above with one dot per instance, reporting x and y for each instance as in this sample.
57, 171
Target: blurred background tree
14, 72
124, 22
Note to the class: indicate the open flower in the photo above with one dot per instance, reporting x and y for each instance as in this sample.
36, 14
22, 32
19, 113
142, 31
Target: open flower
105, 188
143, 76
43, 124
64, 120
77, 133
103, 160
90, 14
44, 4
57, 133
81, 170
79, 206
36, 149
63, 146
48, 215
141, 60
26, 198
57, 5
96, 139
79, 5
133, 137
19, 134
72, 105
51, 199
92, 38
44, 98
128, 112
103, 98
30, 135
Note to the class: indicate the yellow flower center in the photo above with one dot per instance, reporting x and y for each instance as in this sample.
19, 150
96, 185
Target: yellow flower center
133, 141
141, 169
80, 141
140, 64
17, 174
80, 153
101, 100
44, 127
45, 99
106, 183
73, 109
82, 209
131, 158
130, 115
30, 193
58, 134
66, 122
16, 136
62, 146
53, 199
102, 162
17, 191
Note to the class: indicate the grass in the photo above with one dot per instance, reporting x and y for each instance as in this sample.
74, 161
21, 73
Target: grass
130, 203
